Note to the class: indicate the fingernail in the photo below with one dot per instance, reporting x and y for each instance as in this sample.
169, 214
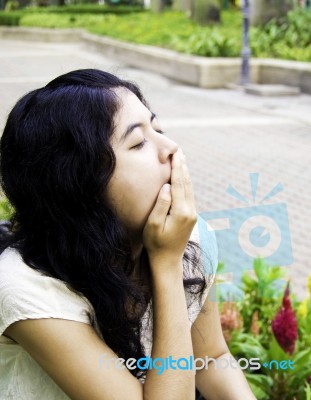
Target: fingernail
167, 188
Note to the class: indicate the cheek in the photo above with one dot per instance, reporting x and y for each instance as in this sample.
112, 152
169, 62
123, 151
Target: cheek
133, 196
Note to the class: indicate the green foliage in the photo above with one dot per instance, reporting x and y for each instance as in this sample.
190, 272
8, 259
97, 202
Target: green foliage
208, 43
304, 322
40, 16
288, 39
259, 384
6, 210
61, 20
223, 40
88, 9
146, 28
263, 291
10, 18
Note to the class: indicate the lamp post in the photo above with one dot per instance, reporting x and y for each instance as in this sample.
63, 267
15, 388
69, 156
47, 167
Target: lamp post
246, 52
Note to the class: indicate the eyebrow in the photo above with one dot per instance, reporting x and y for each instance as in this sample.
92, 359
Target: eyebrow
133, 126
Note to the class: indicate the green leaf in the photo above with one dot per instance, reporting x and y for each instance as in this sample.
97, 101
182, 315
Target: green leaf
261, 269
276, 272
260, 380
302, 359
298, 377
308, 392
248, 280
248, 345
275, 352
220, 267
259, 393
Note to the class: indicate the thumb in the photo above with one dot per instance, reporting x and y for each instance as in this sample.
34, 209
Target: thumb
163, 204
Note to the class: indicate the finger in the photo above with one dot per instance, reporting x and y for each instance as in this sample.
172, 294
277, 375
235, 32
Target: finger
189, 195
177, 181
159, 213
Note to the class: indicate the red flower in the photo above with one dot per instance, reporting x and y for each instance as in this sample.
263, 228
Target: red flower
284, 325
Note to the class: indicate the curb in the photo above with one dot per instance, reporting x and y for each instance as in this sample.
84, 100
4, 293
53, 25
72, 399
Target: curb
40, 34
202, 72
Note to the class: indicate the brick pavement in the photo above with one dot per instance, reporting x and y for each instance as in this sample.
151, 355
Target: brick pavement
226, 135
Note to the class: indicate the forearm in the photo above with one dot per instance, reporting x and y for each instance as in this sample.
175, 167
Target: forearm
171, 337
219, 383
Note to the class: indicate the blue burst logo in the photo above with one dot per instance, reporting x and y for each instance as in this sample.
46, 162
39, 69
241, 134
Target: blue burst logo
255, 230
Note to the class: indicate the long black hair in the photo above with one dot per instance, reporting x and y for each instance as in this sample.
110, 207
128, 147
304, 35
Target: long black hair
56, 161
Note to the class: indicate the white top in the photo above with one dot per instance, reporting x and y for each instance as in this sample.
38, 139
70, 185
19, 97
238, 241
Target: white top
28, 294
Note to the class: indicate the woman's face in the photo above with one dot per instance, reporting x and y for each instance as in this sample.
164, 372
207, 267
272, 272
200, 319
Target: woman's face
143, 162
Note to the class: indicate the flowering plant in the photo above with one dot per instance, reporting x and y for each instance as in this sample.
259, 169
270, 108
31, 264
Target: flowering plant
269, 323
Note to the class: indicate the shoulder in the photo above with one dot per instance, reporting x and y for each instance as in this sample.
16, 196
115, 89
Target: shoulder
26, 293
205, 237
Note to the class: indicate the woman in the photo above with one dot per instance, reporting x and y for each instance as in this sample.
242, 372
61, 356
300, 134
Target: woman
98, 264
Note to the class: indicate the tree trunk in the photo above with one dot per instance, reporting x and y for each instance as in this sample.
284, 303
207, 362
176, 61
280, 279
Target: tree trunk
205, 11
157, 5
182, 5
261, 11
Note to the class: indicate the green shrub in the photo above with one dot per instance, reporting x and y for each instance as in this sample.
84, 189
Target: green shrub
289, 39
254, 337
61, 20
146, 28
88, 9
10, 18
208, 43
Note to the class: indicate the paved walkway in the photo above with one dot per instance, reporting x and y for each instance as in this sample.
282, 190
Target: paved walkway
226, 135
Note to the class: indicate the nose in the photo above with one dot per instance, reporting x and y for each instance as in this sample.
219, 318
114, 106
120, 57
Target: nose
167, 147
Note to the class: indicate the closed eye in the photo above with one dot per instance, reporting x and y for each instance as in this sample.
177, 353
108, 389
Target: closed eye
140, 145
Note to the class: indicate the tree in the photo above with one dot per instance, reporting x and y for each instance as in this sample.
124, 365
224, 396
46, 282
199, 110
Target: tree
205, 11
261, 11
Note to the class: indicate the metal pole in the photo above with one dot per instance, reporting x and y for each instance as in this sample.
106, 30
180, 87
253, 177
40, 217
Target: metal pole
246, 52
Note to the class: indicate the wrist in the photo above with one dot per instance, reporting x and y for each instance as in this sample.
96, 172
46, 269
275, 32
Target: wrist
166, 268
